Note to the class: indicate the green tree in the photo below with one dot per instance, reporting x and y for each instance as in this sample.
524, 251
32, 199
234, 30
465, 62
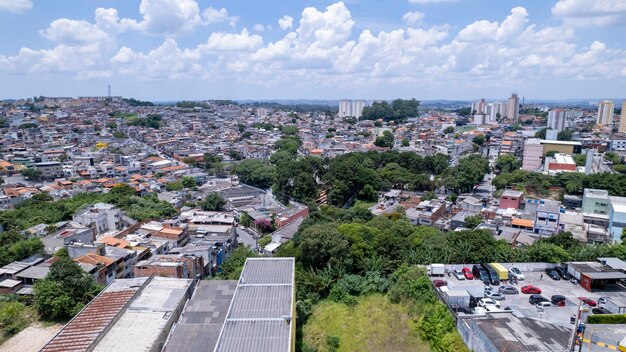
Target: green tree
189, 182
565, 135
541, 133
323, 245
31, 174
174, 186
612, 157
405, 142
231, 268
65, 290
213, 202
449, 129
479, 139
384, 141
472, 221
264, 241
507, 163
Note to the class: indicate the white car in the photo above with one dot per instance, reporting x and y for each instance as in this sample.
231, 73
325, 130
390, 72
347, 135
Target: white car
488, 302
515, 272
544, 304
495, 295
459, 275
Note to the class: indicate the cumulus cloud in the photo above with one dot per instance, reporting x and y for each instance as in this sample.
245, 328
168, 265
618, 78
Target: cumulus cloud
413, 17
16, 6
591, 12
212, 15
285, 22
321, 47
429, 1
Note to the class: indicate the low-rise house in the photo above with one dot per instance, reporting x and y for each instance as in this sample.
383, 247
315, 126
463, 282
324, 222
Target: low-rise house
181, 266
102, 217
68, 232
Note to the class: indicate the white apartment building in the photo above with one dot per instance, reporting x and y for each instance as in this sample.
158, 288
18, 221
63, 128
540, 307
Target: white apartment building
605, 113
102, 217
556, 119
512, 108
622, 119
353, 108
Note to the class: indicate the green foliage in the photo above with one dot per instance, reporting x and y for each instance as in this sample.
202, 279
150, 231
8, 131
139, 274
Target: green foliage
231, 268
384, 141
264, 241
472, 221
551, 153
213, 202
437, 327
28, 125
399, 109
580, 159
31, 174
507, 163
235, 154
34, 212
405, 142
541, 133
151, 121
174, 186
289, 130
565, 135
465, 112
264, 126
14, 317
449, 129
65, 291
189, 182
469, 172
119, 134
323, 245
479, 139
612, 157
607, 319
573, 183
135, 102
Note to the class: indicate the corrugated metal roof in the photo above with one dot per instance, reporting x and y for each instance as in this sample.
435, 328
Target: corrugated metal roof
261, 302
85, 328
267, 271
260, 317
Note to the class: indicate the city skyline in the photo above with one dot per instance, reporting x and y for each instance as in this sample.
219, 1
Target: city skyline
167, 50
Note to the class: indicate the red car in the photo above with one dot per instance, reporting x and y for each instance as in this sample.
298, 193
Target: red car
531, 289
468, 273
588, 301
439, 283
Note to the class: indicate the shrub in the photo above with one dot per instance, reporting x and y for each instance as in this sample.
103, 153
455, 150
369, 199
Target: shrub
607, 319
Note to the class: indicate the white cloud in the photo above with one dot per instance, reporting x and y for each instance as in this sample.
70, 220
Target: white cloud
16, 6
480, 31
167, 61
413, 17
429, 1
212, 15
219, 41
259, 27
167, 17
68, 31
591, 12
285, 22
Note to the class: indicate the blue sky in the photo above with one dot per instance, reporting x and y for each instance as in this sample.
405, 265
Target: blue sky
262, 49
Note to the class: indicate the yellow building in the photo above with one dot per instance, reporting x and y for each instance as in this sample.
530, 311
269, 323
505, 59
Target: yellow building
566, 147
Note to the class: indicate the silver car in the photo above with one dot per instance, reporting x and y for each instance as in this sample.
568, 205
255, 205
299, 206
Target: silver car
495, 295
508, 290
459, 275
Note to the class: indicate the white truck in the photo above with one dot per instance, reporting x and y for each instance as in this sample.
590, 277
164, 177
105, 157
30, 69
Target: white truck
435, 270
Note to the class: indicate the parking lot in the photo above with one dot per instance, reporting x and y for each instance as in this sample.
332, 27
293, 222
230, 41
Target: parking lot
549, 287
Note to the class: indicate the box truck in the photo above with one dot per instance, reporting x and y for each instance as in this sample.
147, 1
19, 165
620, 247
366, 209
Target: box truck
503, 274
435, 270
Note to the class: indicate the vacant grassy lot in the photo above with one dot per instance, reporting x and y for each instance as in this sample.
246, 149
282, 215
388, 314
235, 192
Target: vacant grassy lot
374, 324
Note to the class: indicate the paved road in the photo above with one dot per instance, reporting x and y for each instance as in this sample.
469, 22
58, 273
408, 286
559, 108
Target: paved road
245, 238
485, 187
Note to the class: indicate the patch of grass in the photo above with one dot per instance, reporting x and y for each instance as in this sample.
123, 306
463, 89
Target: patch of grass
14, 317
373, 324
363, 204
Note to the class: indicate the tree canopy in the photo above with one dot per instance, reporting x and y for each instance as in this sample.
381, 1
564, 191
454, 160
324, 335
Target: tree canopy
399, 109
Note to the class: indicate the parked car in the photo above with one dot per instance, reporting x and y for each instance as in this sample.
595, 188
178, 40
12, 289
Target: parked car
531, 289
543, 304
495, 295
508, 290
439, 283
563, 272
467, 272
602, 301
600, 310
558, 300
516, 273
534, 299
588, 301
488, 302
553, 274
481, 274
459, 275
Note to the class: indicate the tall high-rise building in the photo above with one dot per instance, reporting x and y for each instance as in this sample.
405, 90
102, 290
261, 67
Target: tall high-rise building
605, 112
480, 107
556, 119
512, 108
352, 108
622, 119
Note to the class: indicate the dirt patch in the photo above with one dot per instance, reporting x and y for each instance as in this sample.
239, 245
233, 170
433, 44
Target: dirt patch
31, 339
